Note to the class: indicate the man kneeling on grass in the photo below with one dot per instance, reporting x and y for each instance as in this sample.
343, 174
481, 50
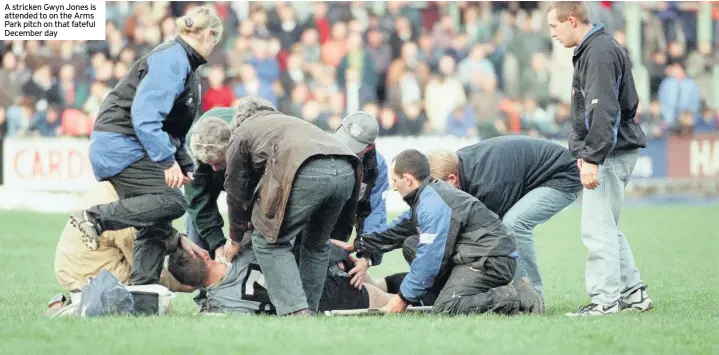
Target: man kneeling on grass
239, 287
464, 254
75, 264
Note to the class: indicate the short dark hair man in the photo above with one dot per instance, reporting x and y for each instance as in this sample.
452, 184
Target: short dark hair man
464, 253
605, 141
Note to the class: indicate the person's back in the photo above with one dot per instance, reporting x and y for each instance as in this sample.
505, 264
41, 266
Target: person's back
479, 231
280, 144
500, 171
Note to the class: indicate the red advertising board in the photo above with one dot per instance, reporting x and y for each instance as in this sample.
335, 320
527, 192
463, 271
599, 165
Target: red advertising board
693, 157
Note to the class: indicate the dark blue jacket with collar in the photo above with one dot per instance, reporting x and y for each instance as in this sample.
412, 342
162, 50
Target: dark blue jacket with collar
604, 99
149, 112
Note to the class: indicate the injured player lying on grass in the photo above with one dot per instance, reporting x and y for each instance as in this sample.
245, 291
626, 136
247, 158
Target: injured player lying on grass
239, 287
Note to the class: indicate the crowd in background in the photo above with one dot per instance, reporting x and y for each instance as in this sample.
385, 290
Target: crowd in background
467, 69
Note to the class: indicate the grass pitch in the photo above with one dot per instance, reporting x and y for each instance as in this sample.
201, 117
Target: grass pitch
675, 248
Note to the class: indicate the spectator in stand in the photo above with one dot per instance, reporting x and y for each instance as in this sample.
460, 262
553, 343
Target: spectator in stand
535, 80
684, 125
43, 88
295, 73
475, 64
461, 123
412, 119
98, 91
264, 61
388, 122
357, 58
652, 121
446, 93
699, 67
47, 123
678, 93
334, 49
708, 123
319, 22
19, 118
219, 94
356, 92
11, 79
252, 85
403, 33
311, 50
75, 92
288, 31
379, 52
292, 105
657, 71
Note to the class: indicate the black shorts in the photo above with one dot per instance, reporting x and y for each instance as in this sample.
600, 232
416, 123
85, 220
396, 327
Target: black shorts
394, 281
339, 294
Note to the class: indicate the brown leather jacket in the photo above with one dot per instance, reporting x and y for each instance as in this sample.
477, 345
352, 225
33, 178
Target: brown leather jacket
265, 152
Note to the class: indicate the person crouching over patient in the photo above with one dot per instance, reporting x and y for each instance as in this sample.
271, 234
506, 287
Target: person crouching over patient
75, 264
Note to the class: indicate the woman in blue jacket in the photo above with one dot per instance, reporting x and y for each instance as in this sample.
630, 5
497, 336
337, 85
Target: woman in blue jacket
137, 144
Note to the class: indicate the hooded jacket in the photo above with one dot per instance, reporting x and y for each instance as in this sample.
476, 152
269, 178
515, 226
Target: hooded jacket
604, 99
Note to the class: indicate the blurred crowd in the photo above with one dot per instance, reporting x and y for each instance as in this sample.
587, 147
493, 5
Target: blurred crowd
467, 69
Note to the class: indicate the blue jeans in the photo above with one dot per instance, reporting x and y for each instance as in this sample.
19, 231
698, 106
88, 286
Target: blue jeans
536, 207
321, 189
610, 272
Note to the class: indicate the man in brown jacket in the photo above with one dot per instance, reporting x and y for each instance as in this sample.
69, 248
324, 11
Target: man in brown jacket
284, 178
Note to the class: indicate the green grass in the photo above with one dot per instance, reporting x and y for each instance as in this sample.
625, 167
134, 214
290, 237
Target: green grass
675, 248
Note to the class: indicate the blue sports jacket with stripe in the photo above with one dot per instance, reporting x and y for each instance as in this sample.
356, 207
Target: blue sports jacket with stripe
454, 228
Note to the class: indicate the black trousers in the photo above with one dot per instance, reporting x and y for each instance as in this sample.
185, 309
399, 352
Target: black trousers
149, 205
473, 288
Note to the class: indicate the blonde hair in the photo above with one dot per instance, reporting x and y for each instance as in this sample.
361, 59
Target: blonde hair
565, 9
199, 19
442, 163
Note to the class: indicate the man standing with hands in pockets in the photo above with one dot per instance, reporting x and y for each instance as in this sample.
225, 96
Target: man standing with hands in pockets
605, 141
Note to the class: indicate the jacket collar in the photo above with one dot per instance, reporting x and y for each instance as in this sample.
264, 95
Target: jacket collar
412, 197
597, 28
196, 59
461, 178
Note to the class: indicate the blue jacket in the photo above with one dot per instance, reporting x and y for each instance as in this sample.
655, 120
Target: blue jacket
149, 112
377, 218
454, 229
